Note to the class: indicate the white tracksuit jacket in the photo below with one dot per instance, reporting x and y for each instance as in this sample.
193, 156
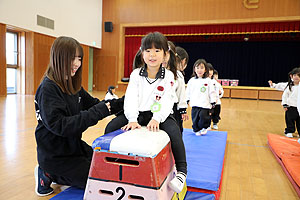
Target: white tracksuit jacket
219, 91
144, 94
200, 92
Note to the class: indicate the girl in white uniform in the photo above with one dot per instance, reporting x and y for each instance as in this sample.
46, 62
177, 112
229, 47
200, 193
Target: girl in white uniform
219, 94
180, 105
149, 100
183, 59
289, 103
201, 96
110, 94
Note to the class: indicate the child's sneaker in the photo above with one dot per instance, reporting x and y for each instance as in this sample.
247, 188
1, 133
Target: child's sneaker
299, 141
42, 182
203, 131
177, 183
198, 133
215, 126
209, 128
289, 135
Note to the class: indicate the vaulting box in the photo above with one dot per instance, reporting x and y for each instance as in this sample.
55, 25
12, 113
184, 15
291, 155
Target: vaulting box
138, 164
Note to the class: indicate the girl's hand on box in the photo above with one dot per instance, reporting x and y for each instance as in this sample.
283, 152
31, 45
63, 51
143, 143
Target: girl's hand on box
153, 125
131, 125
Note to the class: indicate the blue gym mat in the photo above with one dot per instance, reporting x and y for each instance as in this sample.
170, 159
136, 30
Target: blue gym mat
205, 155
70, 193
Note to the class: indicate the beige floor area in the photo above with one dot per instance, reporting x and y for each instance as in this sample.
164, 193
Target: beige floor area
250, 170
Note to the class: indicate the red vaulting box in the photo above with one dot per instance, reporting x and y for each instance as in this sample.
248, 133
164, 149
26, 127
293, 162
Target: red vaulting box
137, 157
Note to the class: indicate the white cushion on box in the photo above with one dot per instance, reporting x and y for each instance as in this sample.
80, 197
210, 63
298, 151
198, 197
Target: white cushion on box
140, 142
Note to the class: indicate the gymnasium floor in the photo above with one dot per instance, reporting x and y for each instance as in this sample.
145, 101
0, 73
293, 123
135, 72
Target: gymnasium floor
250, 171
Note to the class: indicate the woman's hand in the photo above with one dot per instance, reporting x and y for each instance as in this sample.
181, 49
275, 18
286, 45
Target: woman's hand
116, 105
108, 106
131, 125
184, 117
153, 125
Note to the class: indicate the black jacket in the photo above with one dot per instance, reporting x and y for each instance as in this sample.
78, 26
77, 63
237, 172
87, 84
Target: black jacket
61, 120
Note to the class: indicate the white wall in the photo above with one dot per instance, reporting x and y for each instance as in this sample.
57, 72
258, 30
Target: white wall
80, 19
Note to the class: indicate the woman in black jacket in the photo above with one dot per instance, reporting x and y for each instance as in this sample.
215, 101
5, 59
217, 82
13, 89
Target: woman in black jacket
64, 110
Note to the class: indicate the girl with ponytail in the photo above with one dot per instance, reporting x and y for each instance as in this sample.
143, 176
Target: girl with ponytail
150, 97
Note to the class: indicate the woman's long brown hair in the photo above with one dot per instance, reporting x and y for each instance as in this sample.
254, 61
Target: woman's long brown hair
62, 54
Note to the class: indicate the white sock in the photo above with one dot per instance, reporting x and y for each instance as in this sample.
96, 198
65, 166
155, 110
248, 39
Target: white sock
177, 183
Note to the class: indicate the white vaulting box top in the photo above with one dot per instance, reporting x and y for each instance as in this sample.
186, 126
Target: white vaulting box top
140, 142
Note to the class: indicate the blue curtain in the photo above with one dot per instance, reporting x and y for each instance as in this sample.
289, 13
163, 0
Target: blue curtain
252, 63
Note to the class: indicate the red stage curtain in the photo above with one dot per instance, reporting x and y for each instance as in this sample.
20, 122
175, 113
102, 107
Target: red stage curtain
132, 45
268, 31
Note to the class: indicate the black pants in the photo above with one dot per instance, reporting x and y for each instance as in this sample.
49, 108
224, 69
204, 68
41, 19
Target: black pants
178, 117
292, 116
201, 118
76, 170
169, 126
215, 115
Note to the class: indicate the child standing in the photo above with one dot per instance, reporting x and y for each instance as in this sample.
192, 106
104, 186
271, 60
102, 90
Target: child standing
183, 58
110, 94
201, 96
180, 105
289, 102
180, 110
210, 75
149, 100
219, 94
210, 70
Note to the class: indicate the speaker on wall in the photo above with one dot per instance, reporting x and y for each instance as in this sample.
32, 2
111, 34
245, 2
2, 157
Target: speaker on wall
108, 26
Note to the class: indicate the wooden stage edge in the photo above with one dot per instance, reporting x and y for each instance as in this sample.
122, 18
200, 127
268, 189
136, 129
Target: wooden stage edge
239, 92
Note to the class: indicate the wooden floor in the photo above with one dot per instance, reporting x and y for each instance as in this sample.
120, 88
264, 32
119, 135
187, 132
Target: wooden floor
250, 171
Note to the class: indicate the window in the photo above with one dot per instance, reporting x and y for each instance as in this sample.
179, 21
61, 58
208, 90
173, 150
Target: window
11, 80
11, 61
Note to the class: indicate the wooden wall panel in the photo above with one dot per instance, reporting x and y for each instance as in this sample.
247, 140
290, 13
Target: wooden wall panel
29, 63
122, 86
3, 90
270, 94
85, 69
37, 59
244, 94
96, 81
176, 12
226, 92
42, 46
108, 73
